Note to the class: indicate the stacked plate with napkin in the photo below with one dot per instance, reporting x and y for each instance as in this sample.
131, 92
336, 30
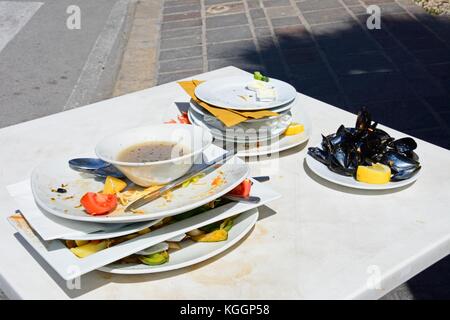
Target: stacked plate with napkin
259, 114
153, 199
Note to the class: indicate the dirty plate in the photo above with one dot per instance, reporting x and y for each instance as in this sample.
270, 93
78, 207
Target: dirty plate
191, 252
119, 232
68, 266
200, 110
275, 145
322, 171
228, 92
53, 173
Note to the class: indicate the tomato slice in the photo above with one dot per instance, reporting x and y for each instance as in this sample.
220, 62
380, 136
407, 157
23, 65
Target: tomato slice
242, 190
98, 203
184, 118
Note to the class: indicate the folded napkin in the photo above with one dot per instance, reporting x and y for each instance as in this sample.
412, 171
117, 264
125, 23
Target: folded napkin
227, 116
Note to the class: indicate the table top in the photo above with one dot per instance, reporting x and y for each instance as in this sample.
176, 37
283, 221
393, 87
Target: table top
318, 241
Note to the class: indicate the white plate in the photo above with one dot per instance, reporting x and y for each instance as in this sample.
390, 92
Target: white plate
68, 266
275, 145
247, 129
53, 173
108, 233
322, 171
203, 112
192, 252
218, 134
225, 92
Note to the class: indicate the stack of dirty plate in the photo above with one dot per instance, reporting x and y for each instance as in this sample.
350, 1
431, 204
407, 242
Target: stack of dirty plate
249, 121
170, 232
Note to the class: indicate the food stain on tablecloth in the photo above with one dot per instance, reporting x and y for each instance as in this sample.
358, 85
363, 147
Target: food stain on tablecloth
230, 273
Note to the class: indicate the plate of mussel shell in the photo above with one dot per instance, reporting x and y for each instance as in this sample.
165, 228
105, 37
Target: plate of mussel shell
365, 157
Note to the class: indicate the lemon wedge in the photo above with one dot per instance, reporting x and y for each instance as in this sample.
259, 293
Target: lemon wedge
376, 174
294, 128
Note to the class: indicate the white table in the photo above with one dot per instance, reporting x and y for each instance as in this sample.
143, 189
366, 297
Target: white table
318, 241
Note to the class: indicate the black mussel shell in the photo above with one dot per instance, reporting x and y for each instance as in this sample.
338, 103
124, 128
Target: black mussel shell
412, 155
326, 144
337, 168
320, 155
404, 145
398, 162
338, 137
342, 136
383, 136
375, 158
341, 156
363, 121
344, 158
405, 174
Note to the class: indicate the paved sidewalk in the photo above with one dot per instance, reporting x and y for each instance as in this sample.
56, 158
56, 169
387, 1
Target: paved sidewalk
400, 72
433, 283
137, 70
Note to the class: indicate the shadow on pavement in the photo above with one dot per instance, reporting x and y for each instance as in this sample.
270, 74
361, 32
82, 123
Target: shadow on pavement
400, 72
433, 283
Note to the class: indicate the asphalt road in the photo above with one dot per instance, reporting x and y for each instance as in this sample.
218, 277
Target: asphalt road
45, 67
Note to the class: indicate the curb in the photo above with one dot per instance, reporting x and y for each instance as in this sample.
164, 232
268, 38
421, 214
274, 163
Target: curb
109, 77
101, 69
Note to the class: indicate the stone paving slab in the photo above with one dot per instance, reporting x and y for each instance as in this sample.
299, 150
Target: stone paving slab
401, 72
229, 34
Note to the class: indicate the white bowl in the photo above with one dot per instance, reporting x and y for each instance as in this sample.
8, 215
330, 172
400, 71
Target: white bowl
146, 174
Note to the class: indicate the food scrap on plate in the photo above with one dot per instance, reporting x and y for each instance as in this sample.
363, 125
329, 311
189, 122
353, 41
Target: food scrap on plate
214, 232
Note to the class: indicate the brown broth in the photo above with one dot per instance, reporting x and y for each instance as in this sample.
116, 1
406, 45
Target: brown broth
152, 151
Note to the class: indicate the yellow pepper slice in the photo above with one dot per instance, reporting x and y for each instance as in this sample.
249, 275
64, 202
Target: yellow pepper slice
155, 259
113, 185
214, 236
90, 248
294, 128
81, 242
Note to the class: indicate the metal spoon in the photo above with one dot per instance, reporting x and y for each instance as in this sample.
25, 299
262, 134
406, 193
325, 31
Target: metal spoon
87, 163
95, 167
109, 171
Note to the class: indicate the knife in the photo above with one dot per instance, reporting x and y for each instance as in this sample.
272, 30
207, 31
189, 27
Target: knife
249, 199
195, 170
261, 178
